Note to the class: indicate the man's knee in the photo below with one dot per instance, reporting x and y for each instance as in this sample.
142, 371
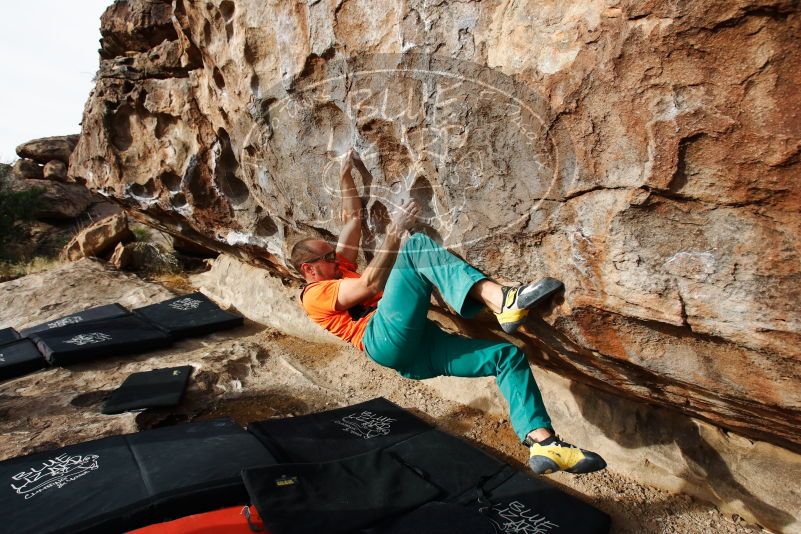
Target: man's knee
416, 245
419, 241
512, 356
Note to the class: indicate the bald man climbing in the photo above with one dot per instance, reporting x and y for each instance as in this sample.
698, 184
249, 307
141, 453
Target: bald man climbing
384, 311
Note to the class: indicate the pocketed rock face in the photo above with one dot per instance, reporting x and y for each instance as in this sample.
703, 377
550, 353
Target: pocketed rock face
645, 153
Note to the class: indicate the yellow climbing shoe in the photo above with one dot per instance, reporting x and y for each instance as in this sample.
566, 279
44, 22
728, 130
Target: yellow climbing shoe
517, 301
553, 454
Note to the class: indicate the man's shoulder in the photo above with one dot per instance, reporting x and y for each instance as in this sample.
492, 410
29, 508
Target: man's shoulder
345, 263
320, 297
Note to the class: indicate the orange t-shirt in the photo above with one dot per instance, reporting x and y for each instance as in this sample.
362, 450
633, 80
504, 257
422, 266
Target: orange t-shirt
319, 300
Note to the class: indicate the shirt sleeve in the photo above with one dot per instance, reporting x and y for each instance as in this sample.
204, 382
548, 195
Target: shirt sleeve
320, 298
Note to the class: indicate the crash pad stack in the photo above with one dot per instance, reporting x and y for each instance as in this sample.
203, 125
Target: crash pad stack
110, 330
371, 468
94, 332
120, 483
108, 311
18, 356
362, 454
116, 336
189, 315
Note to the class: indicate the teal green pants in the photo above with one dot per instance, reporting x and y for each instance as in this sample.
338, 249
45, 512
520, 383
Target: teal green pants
400, 335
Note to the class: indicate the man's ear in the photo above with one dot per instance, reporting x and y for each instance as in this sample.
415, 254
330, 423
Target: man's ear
306, 270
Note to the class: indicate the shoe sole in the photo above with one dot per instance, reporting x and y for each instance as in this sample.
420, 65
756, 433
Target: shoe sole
590, 464
545, 288
542, 465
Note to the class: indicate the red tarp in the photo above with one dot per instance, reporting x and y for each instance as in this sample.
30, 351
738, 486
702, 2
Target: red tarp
227, 520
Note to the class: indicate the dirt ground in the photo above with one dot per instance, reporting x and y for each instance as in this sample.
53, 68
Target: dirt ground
633, 507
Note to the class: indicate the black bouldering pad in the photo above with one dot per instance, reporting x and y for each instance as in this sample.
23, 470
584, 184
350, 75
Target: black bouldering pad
338, 496
20, 358
197, 467
92, 487
507, 499
149, 389
108, 311
102, 337
523, 503
451, 463
440, 518
121, 483
8, 335
338, 433
189, 315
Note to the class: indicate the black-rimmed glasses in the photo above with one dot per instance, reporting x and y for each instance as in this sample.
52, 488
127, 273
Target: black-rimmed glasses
329, 257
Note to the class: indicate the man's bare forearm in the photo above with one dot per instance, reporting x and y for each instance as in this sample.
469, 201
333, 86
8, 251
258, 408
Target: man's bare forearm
351, 203
377, 271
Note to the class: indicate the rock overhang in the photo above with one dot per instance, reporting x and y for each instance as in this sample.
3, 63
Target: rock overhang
647, 160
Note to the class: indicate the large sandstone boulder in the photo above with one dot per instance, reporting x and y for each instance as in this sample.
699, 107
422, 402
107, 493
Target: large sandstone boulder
597, 143
661, 447
98, 238
27, 169
57, 201
142, 256
645, 153
49, 148
55, 170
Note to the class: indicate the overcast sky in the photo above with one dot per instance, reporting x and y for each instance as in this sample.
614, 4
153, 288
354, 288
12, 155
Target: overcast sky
48, 56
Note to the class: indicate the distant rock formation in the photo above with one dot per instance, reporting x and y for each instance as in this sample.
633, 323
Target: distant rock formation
46, 157
58, 201
42, 162
27, 169
98, 238
55, 170
47, 149
645, 153
138, 256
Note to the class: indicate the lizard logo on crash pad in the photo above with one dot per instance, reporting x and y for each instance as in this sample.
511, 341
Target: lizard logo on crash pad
54, 473
518, 518
366, 424
64, 322
185, 304
88, 339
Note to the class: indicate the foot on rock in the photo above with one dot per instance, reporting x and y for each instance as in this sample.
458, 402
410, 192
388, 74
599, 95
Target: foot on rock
517, 301
552, 455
